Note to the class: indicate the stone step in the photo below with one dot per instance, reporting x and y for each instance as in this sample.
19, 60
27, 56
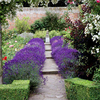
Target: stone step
50, 67
48, 72
48, 43
48, 55
47, 47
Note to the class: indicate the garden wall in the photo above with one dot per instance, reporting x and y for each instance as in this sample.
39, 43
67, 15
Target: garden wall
38, 12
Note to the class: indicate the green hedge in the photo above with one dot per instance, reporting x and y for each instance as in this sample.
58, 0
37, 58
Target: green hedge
80, 89
18, 90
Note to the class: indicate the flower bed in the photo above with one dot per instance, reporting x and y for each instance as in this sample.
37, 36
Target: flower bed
66, 58
26, 64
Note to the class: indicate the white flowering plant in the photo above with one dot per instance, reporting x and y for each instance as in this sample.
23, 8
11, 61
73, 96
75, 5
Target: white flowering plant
93, 28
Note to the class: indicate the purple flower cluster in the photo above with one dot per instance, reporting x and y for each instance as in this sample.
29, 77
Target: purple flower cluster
55, 39
66, 58
26, 64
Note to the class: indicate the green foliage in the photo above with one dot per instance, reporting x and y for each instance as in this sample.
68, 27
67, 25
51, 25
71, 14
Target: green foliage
22, 25
95, 7
80, 89
96, 76
40, 34
63, 32
10, 34
37, 25
67, 38
54, 33
18, 90
52, 21
10, 52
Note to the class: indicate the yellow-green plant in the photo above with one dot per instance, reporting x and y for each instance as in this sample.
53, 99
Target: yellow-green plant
54, 33
40, 34
22, 25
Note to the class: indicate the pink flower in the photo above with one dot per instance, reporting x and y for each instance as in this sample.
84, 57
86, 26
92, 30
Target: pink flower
69, 26
65, 29
98, 1
15, 41
71, 2
7, 43
11, 46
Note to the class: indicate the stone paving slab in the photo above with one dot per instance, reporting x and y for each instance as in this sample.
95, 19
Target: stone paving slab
48, 54
50, 67
54, 89
47, 47
47, 43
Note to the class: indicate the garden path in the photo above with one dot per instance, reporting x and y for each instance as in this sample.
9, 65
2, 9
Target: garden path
54, 88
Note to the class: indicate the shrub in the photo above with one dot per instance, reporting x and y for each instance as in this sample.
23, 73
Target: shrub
54, 33
40, 41
12, 91
10, 34
22, 25
37, 25
83, 44
26, 35
54, 39
52, 21
80, 89
96, 76
65, 58
40, 34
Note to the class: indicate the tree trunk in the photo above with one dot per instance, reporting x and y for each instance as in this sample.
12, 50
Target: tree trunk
0, 50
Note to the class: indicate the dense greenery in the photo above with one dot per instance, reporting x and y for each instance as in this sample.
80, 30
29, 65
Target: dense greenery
51, 21
80, 89
12, 91
22, 25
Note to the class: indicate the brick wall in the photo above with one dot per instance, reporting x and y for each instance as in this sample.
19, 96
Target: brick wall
38, 12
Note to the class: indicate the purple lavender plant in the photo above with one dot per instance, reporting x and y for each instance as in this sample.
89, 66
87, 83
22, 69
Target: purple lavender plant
35, 44
37, 40
55, 39
65, 58
26, 64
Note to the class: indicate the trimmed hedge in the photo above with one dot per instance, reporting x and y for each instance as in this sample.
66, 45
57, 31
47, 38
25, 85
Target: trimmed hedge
80, 89
18, 90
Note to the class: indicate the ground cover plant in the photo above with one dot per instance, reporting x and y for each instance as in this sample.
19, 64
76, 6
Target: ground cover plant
66, 58
26, 64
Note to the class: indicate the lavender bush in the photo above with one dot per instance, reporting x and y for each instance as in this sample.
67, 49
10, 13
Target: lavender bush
55, 39
26, 64
66, 58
